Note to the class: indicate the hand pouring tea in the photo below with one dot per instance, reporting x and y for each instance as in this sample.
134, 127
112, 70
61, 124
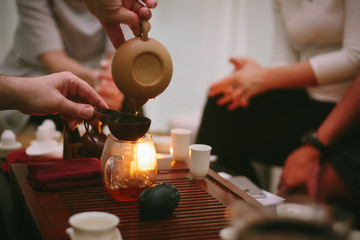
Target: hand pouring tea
142, 68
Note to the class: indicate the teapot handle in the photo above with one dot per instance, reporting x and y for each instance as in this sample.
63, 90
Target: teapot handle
144, 29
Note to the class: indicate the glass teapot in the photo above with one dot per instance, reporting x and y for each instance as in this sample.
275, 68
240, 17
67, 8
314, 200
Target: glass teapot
128, 167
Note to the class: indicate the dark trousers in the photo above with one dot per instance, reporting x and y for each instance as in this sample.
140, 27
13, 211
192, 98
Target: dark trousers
268, 130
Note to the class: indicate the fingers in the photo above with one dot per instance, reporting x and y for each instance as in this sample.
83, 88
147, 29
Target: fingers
75, 113
150, 3
288, 187
112, 13
105, 64
222, 86
115, 34
235, 93
144, 13
240, 98
226, 98
79, 89
112, 96
129, 17
239, 62
313, 183
72, 122
283, 190
106, 76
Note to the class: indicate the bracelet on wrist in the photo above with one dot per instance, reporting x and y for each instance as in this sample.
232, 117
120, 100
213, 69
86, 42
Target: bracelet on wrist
311, 138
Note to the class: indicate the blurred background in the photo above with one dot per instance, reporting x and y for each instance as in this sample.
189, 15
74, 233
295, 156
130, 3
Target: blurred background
200, 35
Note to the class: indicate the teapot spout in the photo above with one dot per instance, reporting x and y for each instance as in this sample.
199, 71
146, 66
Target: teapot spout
139, 103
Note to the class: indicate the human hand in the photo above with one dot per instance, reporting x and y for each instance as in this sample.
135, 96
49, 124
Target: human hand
110, 93
237, 88
111, 13
58, 93
301, 169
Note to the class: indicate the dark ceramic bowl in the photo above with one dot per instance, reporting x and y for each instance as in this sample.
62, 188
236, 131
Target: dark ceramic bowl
128, 127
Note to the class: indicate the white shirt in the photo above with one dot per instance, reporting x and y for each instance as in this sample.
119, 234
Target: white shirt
325, 32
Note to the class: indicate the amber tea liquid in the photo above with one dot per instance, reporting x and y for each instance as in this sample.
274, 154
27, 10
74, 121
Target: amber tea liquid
126, 193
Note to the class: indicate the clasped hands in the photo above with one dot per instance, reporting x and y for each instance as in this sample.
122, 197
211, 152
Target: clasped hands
246, 81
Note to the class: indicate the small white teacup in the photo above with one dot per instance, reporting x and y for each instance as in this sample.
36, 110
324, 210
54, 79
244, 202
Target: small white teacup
93, 226
180, 141
199, 161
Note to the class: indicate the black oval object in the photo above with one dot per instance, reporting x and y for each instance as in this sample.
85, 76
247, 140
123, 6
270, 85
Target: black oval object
158, 201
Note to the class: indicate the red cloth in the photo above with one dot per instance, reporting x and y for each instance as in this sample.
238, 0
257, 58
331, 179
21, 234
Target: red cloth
72, 173
20, 156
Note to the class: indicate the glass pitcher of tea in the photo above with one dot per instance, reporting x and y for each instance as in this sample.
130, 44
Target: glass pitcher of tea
128, 167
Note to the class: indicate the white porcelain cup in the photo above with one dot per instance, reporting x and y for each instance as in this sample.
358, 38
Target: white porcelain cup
180, 141
199, 161
93, 226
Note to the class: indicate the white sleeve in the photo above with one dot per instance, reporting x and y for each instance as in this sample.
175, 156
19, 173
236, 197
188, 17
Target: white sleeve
282, 52
38, 30
343, 64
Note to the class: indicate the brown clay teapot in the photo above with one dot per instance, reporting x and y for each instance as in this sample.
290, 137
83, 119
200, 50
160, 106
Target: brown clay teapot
142, 68
93, 141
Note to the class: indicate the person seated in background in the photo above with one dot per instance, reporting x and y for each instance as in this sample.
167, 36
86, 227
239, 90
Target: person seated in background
260, 113
326, 167
56, 36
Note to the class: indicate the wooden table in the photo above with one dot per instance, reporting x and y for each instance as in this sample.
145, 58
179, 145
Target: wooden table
202, 212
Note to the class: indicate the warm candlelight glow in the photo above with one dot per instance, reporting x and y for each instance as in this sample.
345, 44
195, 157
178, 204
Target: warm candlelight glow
171, 151
145, 157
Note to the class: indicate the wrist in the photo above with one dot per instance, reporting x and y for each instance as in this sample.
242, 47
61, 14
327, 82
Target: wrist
266, 76
311, 138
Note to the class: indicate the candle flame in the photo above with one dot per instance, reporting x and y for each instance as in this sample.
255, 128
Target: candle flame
144, 158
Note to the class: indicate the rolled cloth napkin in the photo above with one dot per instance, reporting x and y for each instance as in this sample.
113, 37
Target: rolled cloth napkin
66, 174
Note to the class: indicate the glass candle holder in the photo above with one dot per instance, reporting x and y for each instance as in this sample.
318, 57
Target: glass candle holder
128, 167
